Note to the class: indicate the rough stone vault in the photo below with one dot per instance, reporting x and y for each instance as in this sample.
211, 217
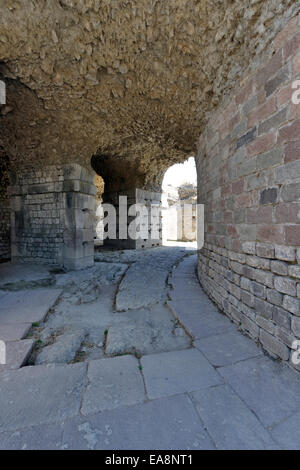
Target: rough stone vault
127, 88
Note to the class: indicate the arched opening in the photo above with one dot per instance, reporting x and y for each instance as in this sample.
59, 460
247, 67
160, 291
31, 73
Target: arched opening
179, 204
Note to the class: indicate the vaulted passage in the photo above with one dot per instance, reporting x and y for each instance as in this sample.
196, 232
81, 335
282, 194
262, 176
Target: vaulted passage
125, 89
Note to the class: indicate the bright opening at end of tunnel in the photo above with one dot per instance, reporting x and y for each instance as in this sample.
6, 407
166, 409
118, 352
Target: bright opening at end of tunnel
179, 199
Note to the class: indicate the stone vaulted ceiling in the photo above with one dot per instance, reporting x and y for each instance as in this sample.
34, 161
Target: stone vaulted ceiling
130, 79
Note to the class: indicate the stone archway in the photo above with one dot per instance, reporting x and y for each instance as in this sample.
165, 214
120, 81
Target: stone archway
142, 85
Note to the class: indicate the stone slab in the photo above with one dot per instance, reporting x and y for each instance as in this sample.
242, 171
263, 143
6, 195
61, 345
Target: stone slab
113, 383
201, 322
14, 331
18, 276
228, 348
184, 291
145, 339
104, 273
33, 396
229, 422
177, 372
63, 350
269, 388
200, 305
190, 283
168, 423
45, 437
187, 266
145, 282
17, 353
287, 433
27, 306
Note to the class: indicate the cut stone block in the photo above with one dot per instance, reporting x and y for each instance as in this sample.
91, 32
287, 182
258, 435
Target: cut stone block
113, 382
145, 339
185, 291
270, 389
17, 352
27, 306
228, 348
168, 423
144, 283
32, 396
201, 322
228, 420
177, 372
63, 350
14, 332
45, 437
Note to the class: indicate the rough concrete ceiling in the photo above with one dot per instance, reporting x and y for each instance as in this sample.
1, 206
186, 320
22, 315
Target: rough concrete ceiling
132, 79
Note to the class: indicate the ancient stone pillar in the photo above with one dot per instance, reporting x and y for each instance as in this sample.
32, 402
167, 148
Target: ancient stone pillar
144, 221
52, 216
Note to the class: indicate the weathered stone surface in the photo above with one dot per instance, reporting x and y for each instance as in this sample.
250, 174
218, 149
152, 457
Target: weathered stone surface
286, 253
145, 281
14, 332
287, 433
27, 306
265, 250
17, 353
228, 348
18, 276
104, 273
53, 393
228, 420
285, 285
292, 305
44, 437
273, 345
276, 386
200, 321
145, 339
113, 383
63, 350
167, 423
177, 372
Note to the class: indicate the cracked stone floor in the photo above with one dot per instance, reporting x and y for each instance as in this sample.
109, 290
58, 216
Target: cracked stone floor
132, 354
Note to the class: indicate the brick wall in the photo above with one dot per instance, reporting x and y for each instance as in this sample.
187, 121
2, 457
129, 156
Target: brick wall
248, 167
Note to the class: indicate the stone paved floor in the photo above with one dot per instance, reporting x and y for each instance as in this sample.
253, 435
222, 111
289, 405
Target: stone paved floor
214, 388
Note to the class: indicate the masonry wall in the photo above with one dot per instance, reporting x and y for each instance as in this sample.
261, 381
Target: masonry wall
52, 216
248, 167
136, 221
36, 213
4, 230
4, 207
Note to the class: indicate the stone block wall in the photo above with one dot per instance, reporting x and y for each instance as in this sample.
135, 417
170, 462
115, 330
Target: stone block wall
52, 212
248, 166
4, 207
4, 230
149, 199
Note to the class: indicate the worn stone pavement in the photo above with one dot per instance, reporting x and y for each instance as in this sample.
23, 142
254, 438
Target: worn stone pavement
215, 390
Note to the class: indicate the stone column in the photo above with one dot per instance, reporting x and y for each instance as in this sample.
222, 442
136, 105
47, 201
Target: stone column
122, 201
52, 216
